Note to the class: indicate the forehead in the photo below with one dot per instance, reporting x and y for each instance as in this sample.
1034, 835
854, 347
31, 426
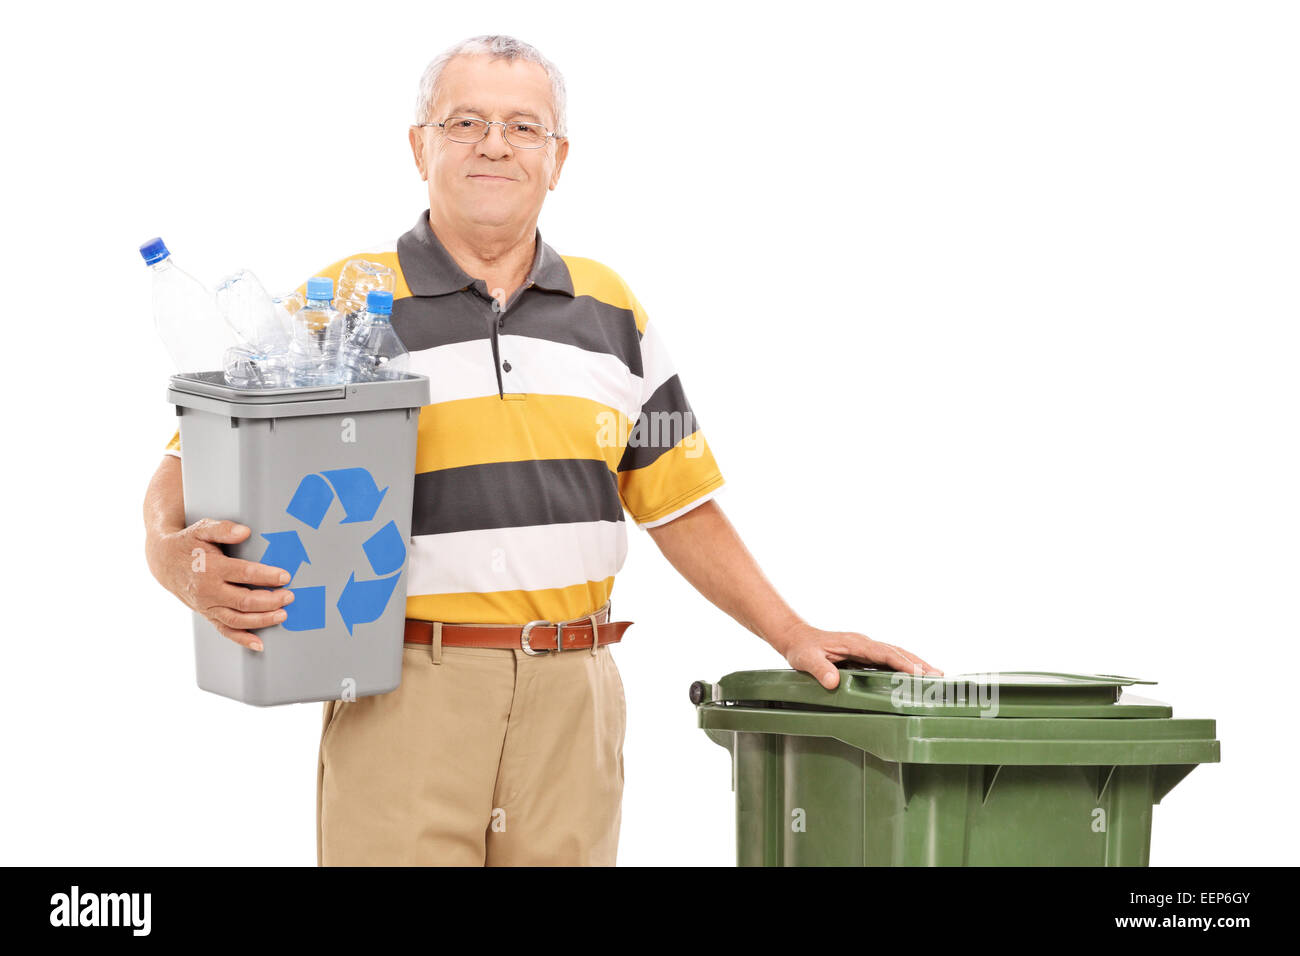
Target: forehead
495, 89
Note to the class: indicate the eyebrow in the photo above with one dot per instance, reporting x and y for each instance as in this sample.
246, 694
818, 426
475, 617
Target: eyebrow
478, 111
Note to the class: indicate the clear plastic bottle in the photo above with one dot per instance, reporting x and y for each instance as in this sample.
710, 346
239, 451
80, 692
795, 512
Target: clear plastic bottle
251, 312
188, 320
357, 280
318, 332
248, 368
373, 350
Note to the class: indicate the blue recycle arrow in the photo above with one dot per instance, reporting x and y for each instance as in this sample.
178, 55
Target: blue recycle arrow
357, 492
307, 610
364, 601
311, 500
284, 549
385, 549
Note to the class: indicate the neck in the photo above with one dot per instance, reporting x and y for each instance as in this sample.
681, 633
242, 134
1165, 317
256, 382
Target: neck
500, 256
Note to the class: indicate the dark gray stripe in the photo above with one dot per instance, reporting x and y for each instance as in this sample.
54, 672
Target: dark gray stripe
515, 494
583, 322
666, 418
425, 322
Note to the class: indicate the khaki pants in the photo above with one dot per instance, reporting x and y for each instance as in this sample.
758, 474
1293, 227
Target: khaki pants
483, 756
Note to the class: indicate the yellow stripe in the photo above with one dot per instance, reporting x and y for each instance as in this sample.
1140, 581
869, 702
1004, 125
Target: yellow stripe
478, 431
674, 480
511, 607
175, 443
601, 282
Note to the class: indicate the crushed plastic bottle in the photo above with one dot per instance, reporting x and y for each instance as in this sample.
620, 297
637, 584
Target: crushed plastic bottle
251, 312
191, 326
373, 350
247, 368
289, 305
357, 280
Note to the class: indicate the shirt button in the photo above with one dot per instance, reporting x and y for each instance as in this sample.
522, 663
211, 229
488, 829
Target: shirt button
506, 365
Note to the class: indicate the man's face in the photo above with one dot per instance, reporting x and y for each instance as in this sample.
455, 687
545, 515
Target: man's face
489, 183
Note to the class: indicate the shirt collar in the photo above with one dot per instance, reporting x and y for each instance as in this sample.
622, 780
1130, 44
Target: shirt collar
429, 268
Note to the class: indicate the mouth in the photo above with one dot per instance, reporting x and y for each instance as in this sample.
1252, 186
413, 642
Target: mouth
490, 179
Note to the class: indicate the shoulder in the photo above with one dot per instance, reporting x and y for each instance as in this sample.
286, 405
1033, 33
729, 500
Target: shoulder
597, 280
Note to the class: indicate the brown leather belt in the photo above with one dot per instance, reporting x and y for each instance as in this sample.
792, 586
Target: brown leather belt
535, 637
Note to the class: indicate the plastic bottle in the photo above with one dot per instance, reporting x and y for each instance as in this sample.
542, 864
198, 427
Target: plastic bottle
358, 279
373, 350
318, 332
248, 368
188, 321
251, 312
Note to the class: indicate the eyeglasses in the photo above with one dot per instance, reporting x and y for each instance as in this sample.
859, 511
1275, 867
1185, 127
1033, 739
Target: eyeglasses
469, 129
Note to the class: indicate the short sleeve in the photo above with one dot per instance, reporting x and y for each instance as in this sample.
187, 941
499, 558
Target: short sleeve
667, 467
173, 447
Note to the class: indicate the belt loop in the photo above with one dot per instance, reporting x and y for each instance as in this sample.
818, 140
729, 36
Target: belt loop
595, 635
435, 644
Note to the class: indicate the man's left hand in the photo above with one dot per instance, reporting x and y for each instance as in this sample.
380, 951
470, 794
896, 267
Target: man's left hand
815, 651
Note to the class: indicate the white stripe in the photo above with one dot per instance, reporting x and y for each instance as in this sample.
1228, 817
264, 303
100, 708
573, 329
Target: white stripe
655, 360
464, 370
457, 371
506, 559
683, 509
543, 367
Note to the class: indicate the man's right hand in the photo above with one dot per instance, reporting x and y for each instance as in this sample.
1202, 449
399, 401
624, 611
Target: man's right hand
227, 591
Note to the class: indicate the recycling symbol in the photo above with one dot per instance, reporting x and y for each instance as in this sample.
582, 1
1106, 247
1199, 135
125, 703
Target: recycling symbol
361, 600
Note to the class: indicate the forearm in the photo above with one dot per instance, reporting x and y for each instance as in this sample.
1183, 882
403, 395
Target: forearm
164, 507
707, 551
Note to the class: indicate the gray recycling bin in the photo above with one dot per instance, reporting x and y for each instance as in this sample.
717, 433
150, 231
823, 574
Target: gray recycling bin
323, 476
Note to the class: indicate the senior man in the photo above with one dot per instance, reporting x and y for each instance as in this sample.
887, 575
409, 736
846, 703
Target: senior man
538, 363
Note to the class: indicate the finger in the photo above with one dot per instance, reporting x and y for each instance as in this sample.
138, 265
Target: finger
251, 600
913, 665
242, 638
921, 665
821, 668
830, 677
239, 571
889, 655
250, 621
219, 532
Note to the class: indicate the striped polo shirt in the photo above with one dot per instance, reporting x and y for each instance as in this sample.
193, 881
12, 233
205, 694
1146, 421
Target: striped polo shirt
546, 420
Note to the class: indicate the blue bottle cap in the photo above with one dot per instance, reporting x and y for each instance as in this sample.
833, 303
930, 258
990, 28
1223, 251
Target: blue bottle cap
155, 250
320, 287
379, 302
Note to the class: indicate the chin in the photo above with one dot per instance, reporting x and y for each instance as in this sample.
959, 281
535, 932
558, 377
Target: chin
491, 216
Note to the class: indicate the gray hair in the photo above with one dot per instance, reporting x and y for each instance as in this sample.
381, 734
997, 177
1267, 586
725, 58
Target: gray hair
497, 47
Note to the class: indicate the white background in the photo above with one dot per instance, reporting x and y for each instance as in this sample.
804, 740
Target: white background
996, 349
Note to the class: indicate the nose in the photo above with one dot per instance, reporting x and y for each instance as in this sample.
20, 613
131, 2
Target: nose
494, 143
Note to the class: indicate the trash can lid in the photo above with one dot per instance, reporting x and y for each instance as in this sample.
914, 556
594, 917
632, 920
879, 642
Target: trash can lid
991, 694
208, 391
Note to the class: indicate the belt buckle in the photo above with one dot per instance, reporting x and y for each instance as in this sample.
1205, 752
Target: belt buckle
527, 646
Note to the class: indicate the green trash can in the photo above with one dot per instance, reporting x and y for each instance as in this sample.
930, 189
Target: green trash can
1001, 769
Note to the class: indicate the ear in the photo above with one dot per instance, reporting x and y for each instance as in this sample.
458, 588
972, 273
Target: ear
416, 135
561, 152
